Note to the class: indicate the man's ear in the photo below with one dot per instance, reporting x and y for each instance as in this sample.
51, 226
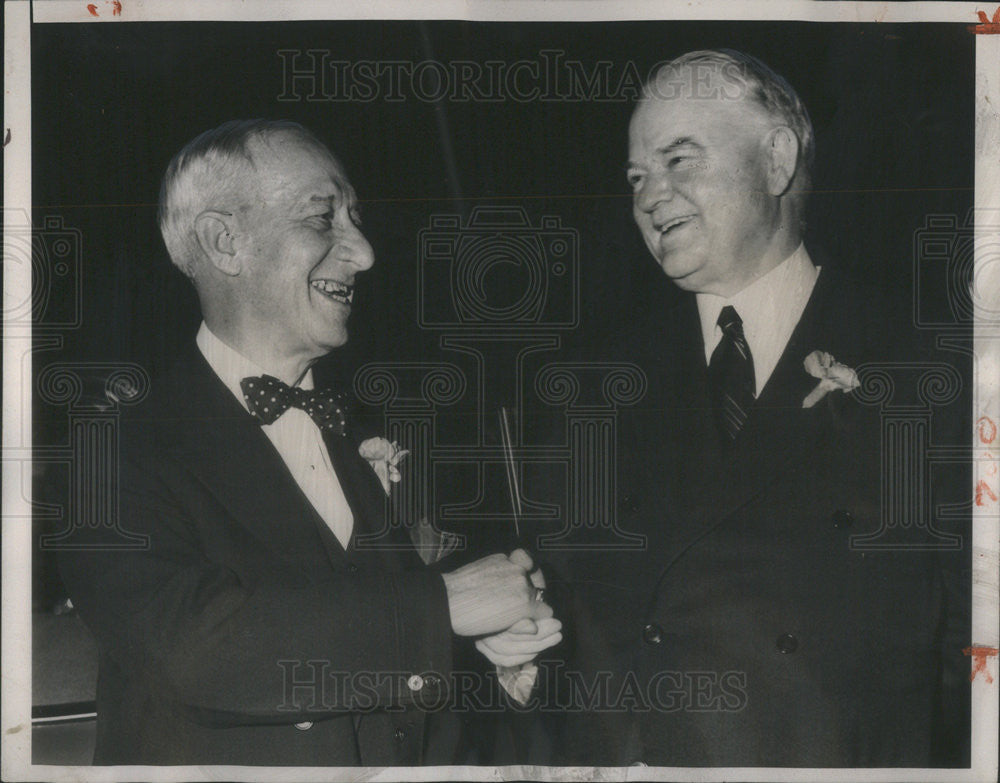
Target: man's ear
215, 232
782, 155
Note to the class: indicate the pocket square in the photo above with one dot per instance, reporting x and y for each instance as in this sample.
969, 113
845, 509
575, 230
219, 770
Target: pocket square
432, 544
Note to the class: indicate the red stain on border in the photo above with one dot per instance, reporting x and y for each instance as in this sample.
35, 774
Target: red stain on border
979, 656
93, 9
986, 429
983, 491
116, 8
986, 25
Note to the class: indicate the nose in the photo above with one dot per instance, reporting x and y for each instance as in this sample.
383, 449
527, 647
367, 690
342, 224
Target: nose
353, 248
654, 190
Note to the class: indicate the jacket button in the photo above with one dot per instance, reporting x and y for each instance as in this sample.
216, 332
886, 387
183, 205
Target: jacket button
652, 634
787, 644
351, 568
842, 518
415, 683
304, 726
399, 734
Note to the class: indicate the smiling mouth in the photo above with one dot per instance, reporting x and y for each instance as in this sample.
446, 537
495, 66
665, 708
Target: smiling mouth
671, 225
335, 290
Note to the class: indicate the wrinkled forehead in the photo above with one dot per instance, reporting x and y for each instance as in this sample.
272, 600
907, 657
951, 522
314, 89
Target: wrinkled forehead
290, 164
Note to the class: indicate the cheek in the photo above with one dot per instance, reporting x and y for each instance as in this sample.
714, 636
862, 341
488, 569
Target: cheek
747, 186
313, 246
641, 217
723, 181
298, 259
727, 199
281, 291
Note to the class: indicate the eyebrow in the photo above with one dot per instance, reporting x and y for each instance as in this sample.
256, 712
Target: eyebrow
334, 201
325, 199
331, 200
680, 141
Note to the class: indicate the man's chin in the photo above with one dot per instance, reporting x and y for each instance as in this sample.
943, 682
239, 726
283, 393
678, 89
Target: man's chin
331, 341
333, 345
682, 273
329, 329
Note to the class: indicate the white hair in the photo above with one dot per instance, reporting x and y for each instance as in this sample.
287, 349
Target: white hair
766, 88
205, 172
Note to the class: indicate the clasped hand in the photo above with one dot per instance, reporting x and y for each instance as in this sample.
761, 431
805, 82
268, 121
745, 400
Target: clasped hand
494, 598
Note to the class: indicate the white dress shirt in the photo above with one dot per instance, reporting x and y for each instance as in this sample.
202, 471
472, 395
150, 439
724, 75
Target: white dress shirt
294, 435
770, 307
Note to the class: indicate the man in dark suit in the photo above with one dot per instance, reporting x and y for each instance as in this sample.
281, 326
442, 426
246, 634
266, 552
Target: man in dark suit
256, 627
755, 627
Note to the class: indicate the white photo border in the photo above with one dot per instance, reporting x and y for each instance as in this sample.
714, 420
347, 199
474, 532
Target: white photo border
19, 15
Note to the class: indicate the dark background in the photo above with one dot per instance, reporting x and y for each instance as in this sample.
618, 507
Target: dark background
892, 107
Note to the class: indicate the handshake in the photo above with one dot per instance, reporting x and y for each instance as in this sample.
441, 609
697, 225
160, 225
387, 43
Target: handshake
499, 599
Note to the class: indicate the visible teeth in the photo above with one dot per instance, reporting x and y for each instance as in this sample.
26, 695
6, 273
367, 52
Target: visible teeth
674, 223
330, 286
334, 289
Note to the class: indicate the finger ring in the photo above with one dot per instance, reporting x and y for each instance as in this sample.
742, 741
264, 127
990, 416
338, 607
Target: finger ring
539, 595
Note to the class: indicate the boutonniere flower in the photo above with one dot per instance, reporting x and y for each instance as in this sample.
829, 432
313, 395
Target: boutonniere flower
384, 457
833, 376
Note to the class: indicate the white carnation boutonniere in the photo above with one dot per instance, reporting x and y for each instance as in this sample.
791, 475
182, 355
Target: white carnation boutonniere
384, 457
833, 376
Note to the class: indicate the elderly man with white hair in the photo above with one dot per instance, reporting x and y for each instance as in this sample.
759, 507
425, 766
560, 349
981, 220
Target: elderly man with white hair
253, 629
787, 609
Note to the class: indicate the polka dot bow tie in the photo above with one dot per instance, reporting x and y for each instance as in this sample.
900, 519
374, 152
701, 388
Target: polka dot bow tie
268, 398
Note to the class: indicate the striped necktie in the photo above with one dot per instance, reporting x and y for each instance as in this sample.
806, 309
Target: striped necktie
732, 376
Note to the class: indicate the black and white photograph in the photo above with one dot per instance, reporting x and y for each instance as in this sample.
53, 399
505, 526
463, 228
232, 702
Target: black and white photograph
501, 391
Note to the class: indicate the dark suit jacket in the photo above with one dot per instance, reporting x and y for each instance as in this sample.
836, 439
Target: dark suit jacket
749, 630
244, 633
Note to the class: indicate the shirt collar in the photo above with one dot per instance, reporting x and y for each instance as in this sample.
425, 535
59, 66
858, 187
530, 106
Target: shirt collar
231, 366
769, 307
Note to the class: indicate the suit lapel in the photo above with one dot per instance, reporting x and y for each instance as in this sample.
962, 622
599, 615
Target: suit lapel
695, 437
713, 483
779, 428
226, 450
679, 428
373, 535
